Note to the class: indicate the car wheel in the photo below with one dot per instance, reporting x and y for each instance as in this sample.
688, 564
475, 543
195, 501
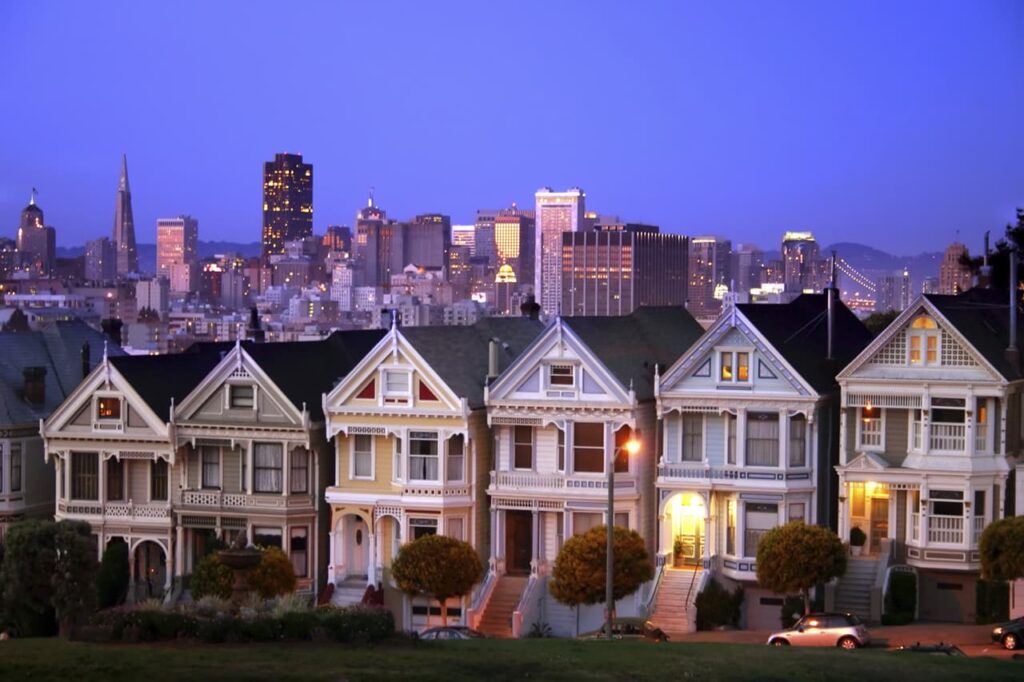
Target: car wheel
848, 643
1011, 641
779, 642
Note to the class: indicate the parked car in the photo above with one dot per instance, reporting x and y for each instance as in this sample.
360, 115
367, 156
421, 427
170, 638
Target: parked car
824, 629
1010, 634
939, 649
629, 628
452, 632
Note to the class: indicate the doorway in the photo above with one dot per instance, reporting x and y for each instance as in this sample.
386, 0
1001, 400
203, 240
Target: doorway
879, 522
518, 541
359, 548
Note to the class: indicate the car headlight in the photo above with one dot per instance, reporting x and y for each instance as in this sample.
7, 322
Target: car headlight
997, 631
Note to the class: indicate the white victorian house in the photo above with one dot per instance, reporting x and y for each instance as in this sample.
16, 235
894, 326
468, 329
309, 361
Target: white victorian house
749, 435
931, 420
560, 415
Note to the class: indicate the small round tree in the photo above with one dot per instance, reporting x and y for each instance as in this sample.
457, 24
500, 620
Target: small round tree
274, 575
581, 568
795, 557
74, 574
211, 578
1002, 549
438, 566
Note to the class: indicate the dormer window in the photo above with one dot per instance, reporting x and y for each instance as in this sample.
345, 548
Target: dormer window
562, 376
241, 396
734, 366
923, 341
397, 386
108, 409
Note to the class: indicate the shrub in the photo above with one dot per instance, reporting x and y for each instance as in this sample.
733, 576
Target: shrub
274, 576
291, 603
211, 578
993, 602
1002, 549
797, 556
439, 566
857, 537
581, 566
112, 579
716, 606
901, 599
29, 562
210, 606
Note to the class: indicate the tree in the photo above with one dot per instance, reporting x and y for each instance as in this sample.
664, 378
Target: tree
274, 575
999, 258
112, 579
1002, 549
581, 567
877, 322
17, 322
796, 557
437, 566
29, 561
74, 574
211, 577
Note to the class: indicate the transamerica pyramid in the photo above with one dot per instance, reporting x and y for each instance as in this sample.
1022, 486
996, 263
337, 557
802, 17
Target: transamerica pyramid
124, 225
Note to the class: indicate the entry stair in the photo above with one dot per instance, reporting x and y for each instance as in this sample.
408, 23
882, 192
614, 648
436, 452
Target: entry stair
853, 594
349, 591
674, 603
497, 617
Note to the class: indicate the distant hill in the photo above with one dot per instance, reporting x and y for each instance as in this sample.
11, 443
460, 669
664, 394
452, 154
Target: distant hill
873, 263
147, 252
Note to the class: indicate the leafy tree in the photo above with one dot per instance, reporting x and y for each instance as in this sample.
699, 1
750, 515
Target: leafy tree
112, 579
17, 322
74, 574
1002, 549
274, 575
438, 566
211, 577
877, 322
29, 561
581, 567
796, 557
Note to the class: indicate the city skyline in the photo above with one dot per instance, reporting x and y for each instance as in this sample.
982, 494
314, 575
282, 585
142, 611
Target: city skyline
900, 128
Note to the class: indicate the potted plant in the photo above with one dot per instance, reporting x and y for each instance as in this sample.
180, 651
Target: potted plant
677, 553
857, 540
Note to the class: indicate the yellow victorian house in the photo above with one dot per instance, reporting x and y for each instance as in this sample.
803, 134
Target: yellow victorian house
413, 452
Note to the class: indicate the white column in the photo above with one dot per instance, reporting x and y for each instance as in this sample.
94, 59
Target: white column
286, 457
248, 470
494, 536
741, 436
101, 479
842, 440
179, 552
535, 548
67, 475
371, 568
783, 439
332, 556
844, 506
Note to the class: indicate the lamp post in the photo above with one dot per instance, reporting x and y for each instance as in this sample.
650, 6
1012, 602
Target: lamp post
631, 446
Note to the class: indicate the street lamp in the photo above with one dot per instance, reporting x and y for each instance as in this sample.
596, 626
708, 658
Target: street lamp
631, 446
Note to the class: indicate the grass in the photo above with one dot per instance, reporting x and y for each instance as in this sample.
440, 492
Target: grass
52, 659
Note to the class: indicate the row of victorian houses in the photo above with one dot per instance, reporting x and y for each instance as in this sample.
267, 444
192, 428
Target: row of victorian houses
502, 434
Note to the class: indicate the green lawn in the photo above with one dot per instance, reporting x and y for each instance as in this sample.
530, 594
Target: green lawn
50, 659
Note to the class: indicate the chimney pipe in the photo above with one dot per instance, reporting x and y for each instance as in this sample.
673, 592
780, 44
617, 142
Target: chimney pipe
34, 391
830, 308
492, 358
85, 359
985, 274
1012, 352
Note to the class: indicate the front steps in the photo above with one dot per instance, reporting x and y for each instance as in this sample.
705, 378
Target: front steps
350, 591
497, 617
854, 591
672, 611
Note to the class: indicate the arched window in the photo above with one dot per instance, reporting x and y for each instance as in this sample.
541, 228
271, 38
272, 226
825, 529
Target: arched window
923, 341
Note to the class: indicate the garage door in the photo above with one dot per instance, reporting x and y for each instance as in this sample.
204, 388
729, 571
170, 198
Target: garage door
947, 597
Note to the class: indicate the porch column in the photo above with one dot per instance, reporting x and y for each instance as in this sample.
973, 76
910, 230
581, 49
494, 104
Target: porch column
286, 460
179, 552
67, 476
331, 556
922, 520
971, 405
58, 472
248, 470
844, 507
371, 564
535, 544
741, 436
783, 439
494, 538
842, 440
131, 571
168, 565
101, 479
706, 549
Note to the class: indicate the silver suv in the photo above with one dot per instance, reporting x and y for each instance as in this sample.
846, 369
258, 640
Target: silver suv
824, 629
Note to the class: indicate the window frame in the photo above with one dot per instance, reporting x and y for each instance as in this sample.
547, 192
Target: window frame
928, 340
805, 456
734, 367
549, 376
353, 452
747, 438
517, 444
232, 387
576, 447
449, 456
297, 532
256, 468
862, 420
15, 480
203, 483
421, 436
415, 522
692, 437
396, 397
77, 457
292, 471
153, 480
102, 399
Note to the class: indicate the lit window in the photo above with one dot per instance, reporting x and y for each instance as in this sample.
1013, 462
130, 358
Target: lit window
869, 427
924, 341
108, 408
734, 366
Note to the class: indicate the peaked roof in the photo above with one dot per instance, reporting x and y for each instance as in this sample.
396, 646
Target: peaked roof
798, 330
631, 345
459, 355
159, 379
982, 317
57, 347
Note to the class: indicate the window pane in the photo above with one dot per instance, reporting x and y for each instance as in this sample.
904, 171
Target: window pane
522, 447
588, 447
742, 367
562, 375
268, 467
396, 382
455, 529
84, 476
693, 437
299, 474
561, 450
763, 439
15, 467
423, 460
362, 456
421, 527
456, 458
797, 441
622, 438
584, 521
726, 363
298, 552
622, 520
211, 467
241, 396
730, 427
267, 537
158, 481
760, 518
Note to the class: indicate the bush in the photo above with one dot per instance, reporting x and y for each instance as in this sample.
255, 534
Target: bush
112, 579
438, 566
29, 561
581, 566
274, 576
210, 606
901, 599
857, 537
291, 603
796, 557
211, 578
716, 606
993, 602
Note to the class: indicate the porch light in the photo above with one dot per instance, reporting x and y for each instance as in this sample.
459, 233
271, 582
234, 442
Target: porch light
631, 446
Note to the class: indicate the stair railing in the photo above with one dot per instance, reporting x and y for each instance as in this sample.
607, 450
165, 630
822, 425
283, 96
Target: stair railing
480, 599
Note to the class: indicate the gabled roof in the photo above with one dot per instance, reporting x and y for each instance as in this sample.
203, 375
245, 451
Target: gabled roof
982, 317
57, 347
630, 346
159, 379
459, 354
798, 330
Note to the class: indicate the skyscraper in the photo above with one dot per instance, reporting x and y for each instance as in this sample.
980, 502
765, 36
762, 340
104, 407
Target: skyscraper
954, 275
515, 239
804, 267
464, 235
378, 247
177, 252
708, 267
557, 212
427, 241
483, 237
747, 264
124, 225
892, 292
287, 202
100, 260
37, 243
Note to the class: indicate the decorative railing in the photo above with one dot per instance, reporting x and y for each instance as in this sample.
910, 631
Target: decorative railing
916, 435
117, 511
946, 529
980, 439
915, 526
436, 491
528, 480
976, 530
948, 437
527, 609
221, 500
683, 470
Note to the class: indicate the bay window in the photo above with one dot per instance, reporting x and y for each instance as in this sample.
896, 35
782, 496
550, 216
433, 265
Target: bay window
588, 447
869, 428
85, 476
456, 459
693, 438
798, 440
268, 467
763, 439
423, 460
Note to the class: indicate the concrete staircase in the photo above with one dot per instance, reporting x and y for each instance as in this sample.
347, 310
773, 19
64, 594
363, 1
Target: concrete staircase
853, 594
350, 591
497, 618
672, 611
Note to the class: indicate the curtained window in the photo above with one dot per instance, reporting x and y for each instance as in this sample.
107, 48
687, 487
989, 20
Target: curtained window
763, 439
85, 476
456, 458
423, 460
299, 552
299, 475
15, 467
798, 441
268, 467
693, 437
211, 466
158, 481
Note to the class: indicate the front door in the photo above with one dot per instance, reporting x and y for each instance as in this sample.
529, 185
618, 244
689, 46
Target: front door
359, 548
518, 541
879, 522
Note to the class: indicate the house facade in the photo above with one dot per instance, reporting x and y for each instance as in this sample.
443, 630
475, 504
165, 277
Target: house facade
561, 415
413, 451
748, 436
931, 422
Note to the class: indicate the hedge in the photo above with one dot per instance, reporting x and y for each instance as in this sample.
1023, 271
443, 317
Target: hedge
716, 606
993, 602
901, 599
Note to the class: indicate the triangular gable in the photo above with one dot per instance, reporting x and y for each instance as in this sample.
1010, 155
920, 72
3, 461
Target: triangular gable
890, 347
524, 379
364, 387
732, 322
866, 461
237, 365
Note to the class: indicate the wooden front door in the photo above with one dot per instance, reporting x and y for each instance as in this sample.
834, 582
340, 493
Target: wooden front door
879, 521
518, 541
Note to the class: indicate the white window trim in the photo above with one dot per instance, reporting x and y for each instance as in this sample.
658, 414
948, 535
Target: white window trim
749, 381
408, 525
923, 334
399, 443
220, 466
703, 438
576, 376
442, 451
860, 430
120, 422
352, 458
227, 396
397, 397
465, 457
533, 450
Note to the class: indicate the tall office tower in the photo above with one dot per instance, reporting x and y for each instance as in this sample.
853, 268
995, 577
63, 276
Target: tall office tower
954, 275
100, 260
9, 257
37, 243
615, 270
747, 264
892, 292
124, 226
152, 294
287, 202
464, 235
427, 241
338, 238
805, 269
483, 237
557, 212
515, 236
378, 247
707, 267
177, 252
